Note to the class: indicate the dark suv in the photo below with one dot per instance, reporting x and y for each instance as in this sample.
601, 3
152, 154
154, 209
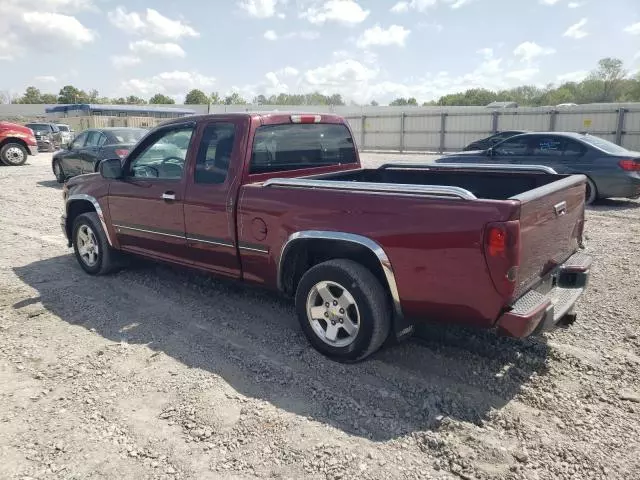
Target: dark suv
48, 136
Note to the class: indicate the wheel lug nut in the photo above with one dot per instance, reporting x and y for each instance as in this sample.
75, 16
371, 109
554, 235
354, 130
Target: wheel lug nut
333, 322
326, 304
341, 320
342, 310
326, 314
335, 303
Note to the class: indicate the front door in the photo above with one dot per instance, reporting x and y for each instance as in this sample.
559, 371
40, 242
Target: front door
209, 201
512, 150
89, 154
71, 164
146, 206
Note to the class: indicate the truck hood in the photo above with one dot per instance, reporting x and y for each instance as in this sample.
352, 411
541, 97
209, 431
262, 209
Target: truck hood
14, 127
83, 179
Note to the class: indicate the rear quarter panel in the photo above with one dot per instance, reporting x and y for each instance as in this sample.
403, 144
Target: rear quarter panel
434, 245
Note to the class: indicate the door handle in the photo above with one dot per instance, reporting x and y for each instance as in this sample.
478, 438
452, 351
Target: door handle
168, 196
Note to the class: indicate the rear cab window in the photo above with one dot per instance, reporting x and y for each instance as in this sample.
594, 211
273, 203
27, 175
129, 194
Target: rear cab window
301, 146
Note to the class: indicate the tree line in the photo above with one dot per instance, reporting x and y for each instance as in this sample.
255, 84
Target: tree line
609, 82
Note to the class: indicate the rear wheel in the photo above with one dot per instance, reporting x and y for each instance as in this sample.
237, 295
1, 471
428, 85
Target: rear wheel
343, 310
591, 193
13, 154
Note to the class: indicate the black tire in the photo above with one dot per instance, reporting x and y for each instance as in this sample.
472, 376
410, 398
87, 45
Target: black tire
372, 302
591, 192
107, 258
13, 154
58, 171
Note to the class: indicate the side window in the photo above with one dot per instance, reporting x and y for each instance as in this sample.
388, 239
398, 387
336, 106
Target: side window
78, 142
573, 149
547, 147
93, 138
512, 147
164, 157
214, 153
102, 140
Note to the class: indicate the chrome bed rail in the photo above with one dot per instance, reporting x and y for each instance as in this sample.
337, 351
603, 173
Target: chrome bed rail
494, 167
372, 187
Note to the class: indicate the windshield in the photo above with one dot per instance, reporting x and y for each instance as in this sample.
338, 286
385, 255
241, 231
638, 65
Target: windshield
39, 127
605, 145
63, 128
128, 135
288, 147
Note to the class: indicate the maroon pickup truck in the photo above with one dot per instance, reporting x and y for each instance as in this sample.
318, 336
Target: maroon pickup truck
281, 200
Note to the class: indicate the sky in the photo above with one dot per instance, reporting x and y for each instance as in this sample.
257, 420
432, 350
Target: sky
363, 49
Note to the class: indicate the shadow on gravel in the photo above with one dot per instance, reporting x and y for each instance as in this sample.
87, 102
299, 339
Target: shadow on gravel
614, 205
50, 184
252, 340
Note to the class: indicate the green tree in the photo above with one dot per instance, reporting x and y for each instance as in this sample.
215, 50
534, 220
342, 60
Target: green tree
374, 103
196, 97
160, 99
133, 100
609, 75
215, 98
401, 102
70, 94
234, 99
31, 95
49, 98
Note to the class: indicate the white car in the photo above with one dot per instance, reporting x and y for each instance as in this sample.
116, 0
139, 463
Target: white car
66, 132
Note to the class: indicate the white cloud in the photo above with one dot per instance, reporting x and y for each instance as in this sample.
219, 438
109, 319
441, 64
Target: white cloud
148, 47
48, 26
260, 8
46, 79
123, 61
576, 30
528, 51
173, 83
549, 2
270, 35
422, 6
575, 4
554, 2
486, 52
153, 24
523, 75
633, 29
346, 12
576, 76
378, 36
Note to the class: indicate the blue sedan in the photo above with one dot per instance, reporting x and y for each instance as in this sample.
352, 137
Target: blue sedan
611, 170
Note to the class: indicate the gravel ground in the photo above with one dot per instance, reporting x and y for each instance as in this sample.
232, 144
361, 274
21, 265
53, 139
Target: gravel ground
159, 373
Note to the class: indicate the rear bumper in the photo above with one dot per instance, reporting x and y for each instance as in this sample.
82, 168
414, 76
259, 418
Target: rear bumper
545, 306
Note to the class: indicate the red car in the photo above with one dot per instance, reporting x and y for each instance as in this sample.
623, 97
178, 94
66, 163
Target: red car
16, 143
281, 200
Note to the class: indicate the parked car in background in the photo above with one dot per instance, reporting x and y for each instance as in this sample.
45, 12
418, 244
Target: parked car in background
84, 153
611, 170
47, 135
66, 132
16, 143
282, 201
487, 142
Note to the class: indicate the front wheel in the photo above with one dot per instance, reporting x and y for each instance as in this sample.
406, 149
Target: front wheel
13, 154
343, 310
58, 172
91, 247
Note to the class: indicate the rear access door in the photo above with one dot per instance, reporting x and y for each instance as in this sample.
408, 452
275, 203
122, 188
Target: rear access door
551, 225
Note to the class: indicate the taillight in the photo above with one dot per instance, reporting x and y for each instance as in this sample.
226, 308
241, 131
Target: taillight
630, 165
305, 118
121, 152
502, 253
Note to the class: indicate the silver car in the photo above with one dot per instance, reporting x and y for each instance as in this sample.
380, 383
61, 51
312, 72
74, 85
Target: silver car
66, 132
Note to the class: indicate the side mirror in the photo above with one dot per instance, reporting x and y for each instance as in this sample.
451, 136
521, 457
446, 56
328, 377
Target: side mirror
490, 152
68, 145
111, 168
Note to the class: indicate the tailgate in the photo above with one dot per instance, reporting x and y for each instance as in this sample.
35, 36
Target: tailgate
551, 224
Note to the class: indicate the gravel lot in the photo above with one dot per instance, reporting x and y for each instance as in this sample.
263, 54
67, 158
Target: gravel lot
160, 373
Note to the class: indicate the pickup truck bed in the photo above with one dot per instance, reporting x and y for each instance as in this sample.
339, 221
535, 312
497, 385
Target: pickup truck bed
281, 200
